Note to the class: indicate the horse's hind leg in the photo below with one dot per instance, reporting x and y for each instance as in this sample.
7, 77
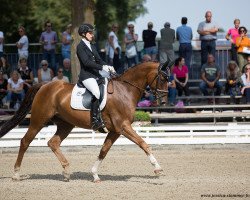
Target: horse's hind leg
24, 144
109, 141
63, 130
129, 133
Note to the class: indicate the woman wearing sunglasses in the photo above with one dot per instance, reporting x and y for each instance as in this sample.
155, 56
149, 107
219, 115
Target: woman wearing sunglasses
243, 47
245, 79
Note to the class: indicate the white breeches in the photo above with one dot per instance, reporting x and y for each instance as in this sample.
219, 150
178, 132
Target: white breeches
92, 86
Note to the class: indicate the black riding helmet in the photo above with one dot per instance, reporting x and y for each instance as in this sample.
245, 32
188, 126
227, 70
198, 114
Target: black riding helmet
85, 28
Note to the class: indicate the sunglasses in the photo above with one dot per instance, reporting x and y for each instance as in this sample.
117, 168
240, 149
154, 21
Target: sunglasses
44, 65
242, 30
130, 27
60, 71
48, 25
20, 31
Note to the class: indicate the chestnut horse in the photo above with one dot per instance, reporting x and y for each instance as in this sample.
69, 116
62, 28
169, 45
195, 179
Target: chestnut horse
51, 102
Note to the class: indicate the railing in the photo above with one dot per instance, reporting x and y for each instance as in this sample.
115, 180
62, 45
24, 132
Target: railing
231, 133
35, 56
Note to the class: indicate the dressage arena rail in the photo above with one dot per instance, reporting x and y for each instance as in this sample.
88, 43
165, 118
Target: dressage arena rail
178, 134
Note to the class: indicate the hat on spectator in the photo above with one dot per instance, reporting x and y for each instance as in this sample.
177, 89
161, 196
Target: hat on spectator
44, 62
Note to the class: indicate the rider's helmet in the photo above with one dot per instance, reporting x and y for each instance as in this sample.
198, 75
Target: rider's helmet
85, 28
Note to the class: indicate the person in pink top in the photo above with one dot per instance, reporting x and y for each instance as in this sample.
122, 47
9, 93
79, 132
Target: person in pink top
232, 34
180, 73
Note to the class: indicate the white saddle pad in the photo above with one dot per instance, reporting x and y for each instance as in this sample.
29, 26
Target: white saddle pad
76, 97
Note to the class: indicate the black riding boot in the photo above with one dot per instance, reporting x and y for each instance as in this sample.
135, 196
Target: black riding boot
96, 119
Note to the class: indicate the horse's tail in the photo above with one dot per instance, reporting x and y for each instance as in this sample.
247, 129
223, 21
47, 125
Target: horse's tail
21, 113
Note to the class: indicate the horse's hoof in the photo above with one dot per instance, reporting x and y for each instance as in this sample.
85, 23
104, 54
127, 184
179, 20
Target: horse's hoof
97, 181
16, 177
66, 176
158, 171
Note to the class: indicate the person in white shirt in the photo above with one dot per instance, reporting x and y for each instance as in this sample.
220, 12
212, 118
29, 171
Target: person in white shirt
60, 76
23, 43
1, 45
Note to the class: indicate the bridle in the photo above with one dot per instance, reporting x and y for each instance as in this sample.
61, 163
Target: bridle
158, 93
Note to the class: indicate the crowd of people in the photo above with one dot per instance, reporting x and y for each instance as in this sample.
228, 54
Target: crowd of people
237, 75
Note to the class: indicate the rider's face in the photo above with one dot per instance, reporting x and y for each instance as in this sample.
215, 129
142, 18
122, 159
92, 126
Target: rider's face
90, 36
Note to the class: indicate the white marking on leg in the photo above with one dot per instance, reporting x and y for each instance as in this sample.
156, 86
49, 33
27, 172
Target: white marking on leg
94, 170
154, 162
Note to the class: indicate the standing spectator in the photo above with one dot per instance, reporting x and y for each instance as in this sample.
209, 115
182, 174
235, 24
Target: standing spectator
26, 74
66, 42
60, 76
208, 35
3, 88
22, 44
114, 49
15, 89
67, 69
232, 34
130, 40
172, 91
180, 73
210, 75
1, 44
184, 35
166, 43
242, 43
44, 74
49, 39
232, 86
148, 37
245, 79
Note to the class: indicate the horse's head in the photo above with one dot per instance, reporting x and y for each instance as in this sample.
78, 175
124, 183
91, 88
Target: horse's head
159, 81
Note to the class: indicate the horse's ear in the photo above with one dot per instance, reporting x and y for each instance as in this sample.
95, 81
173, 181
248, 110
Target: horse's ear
164, 66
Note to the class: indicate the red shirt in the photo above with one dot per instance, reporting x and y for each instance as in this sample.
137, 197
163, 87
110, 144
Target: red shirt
180, 73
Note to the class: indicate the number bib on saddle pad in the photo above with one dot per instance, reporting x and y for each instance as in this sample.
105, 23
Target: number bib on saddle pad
81, 97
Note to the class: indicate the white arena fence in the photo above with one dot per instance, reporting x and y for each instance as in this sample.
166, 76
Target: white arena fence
174, 134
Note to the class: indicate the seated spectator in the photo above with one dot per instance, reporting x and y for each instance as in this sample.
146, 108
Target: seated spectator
180, 73
210, 75
3, 88
26, 74
147, 99
15, 89
5, 67
245, 79
171, 91
60, 76
146, 58
44, 73
233, 85
67, 69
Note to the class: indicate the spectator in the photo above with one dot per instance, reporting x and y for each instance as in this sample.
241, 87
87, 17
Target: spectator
242, 43
172, 91
148, 37
22, 44
146, 58
232, 34
1, 44
67, 69
5, 67
3, 88
15, 90
66, 42
60, 76
130, 40
180, 73
166, 43
48, 39
44, 74
147, 99
210, 75
184, 35
232, 86
245, 79
114, 49
26, 74
208, 35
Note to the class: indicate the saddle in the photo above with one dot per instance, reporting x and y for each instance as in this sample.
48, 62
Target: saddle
81, 97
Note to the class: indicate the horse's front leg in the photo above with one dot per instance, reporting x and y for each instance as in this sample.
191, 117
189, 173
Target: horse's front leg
109, 141
129, 133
